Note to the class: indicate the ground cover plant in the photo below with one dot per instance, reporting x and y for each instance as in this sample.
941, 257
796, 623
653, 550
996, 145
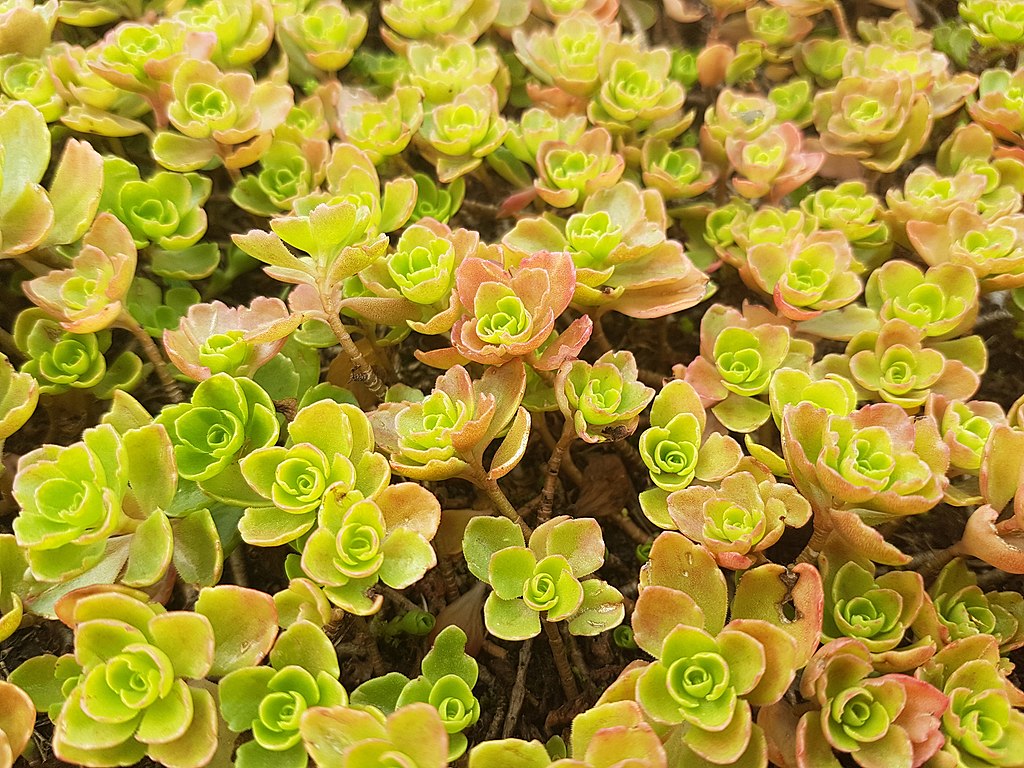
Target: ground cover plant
512, 383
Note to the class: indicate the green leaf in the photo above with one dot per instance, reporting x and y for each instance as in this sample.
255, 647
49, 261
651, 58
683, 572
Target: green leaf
150, 471
240, 694
183, 153
512, 446
510, 619
187, 639
486, 535
126, 413
407, 556
509, 570
305, 645
198, 744
26, 142
194, 263
509, 753
601, 610
198, 557
244, 625
149, 553
74, 192
678, 563
448, 657
380, 692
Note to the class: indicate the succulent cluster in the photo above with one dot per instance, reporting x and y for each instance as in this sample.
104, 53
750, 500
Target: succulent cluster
364, 363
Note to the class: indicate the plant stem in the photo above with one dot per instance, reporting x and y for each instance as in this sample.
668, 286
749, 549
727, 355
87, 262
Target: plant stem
398, 598
554, 465
501, 502
515, 701
929, 563
629, 527
451, 585
561, 661
363, 372
152, 353
840, 18
598, 336
370, 645
822, 530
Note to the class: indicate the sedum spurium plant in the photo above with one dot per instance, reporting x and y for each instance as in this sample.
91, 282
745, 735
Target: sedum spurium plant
268, 219
545, 577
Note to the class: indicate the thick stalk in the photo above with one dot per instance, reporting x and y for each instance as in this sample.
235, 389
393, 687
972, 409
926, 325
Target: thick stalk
369, 643
598, 336
561, 661
822, 529
515, 702
500, 501
928, 564
363, 372
152, 353
840, 18
554, 465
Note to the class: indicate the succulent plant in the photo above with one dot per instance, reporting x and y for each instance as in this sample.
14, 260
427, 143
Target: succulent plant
24, 78
1000, 105
60, 360
708, 674
736, 522
941, 301
624, 262
322, 40
141, 694
739, 354
457, 135
243, 29
983, 722
676, 173
959, 608
509, 313
880, 121
270, 701
993, 23
353, 738
636, 94
569, 172
226, 419
89, 296
448, 675
31, 216
214, 338
442, 72
219, 116
568, 56
603, 401
545, 577
360, 541
289, 171
773, 164
415, 285
890, 720
994, 250
878, 461
328, 455
446, 433
875, 610
382, 128
676, 449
